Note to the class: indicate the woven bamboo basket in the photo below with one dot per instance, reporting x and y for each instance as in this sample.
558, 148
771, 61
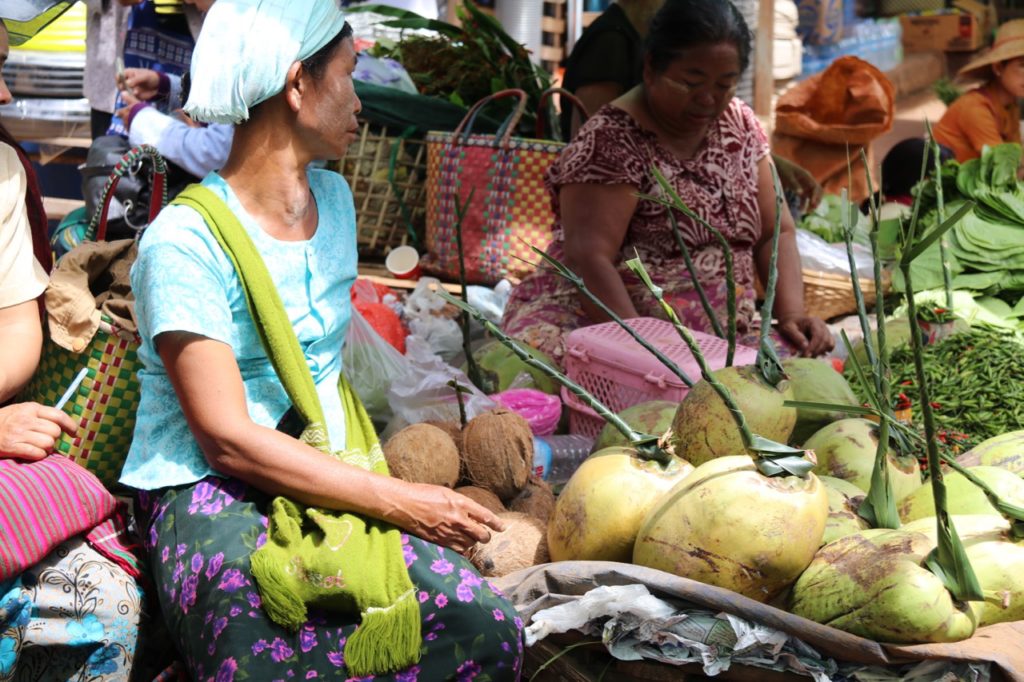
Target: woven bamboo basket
386, 172
828, 295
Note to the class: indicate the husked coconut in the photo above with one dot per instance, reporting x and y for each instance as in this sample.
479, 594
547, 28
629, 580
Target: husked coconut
522, 544
453, 429
421, 453
498, 452
483, 497
536, 500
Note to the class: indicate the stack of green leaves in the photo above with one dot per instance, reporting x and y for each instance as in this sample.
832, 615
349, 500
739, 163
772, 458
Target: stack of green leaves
986, 248
826, 221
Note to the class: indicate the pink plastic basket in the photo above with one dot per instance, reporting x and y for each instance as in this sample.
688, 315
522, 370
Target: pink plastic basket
606, 361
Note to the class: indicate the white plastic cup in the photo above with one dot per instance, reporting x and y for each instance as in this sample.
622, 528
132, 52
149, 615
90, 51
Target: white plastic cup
403, 262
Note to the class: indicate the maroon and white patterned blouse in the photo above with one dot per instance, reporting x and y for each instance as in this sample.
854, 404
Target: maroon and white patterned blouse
720, 183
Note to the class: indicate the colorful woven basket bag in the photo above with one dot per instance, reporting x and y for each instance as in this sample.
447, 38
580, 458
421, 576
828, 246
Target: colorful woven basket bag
105, 403
496, 184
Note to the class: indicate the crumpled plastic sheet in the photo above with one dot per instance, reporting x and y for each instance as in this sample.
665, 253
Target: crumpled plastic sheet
421, 314
635, 625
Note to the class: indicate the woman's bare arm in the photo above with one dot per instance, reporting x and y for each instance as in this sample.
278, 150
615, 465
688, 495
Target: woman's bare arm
208, 383
596, 219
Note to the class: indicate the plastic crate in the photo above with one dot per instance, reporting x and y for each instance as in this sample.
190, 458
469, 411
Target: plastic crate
606, 361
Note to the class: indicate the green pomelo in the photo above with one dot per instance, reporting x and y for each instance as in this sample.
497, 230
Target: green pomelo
968, 526
873, 584
499, 367
705, 429
599, 511
816, 381
962, 496
846, 449
1005, 451
653, 417
728, 525
998, 563
844, 500
897, 335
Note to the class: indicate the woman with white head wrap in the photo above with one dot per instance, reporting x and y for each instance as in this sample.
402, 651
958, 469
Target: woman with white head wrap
269, 549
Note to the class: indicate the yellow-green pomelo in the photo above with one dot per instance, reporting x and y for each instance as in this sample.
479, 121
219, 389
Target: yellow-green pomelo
816, 381
846, 449
998, 563
844, 500
874, 584
704, 428
1005, 451
728, 525
599, 511
653, 417
962, 496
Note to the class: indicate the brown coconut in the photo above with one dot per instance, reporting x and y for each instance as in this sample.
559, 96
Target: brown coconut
483, 497
453, 429
498, 452
522, 544
421, 453
536, 500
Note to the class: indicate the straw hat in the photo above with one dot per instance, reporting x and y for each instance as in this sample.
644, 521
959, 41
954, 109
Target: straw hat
1009, 44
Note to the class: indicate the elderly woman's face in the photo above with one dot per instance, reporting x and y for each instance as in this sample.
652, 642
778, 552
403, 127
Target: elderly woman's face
5, 49
334, 105
696, 87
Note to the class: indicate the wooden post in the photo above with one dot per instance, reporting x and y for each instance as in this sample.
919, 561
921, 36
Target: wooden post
764, 80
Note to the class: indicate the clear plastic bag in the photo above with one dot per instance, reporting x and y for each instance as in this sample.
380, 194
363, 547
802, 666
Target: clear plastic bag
370, 364
422, 392
425, 320
818, 254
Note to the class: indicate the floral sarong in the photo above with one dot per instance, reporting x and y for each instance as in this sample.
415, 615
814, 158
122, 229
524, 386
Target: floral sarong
200, 537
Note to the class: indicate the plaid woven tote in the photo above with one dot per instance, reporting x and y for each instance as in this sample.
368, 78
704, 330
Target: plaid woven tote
499, 180
105, 403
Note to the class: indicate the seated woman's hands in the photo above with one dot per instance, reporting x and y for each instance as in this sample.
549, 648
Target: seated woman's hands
809, 335
444, 517
143, 84
30, 430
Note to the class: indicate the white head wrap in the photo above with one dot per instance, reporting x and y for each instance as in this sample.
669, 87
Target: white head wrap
245, 49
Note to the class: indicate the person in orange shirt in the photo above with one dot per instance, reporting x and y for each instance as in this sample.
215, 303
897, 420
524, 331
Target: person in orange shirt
989, 114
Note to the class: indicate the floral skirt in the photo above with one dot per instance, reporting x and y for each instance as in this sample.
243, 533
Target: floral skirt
200, 538
74, 615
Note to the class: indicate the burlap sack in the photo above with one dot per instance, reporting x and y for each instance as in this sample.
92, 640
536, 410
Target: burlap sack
831, 117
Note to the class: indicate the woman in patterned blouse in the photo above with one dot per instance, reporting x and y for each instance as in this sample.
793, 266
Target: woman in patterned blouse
684, 120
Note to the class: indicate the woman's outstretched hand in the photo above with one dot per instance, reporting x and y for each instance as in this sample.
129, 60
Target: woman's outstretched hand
30, 430
443, 516
809, 335
143, 84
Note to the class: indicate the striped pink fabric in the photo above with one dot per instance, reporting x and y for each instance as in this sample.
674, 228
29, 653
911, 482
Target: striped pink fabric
112, 539
42, 504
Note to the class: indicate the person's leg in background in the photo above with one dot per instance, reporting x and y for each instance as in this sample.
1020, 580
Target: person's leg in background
105, 28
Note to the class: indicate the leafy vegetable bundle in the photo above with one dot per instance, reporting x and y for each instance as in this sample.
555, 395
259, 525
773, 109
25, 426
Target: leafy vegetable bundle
986, 248
826, 221
464, 63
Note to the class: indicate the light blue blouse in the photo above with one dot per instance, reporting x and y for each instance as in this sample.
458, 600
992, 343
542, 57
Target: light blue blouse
183, 281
